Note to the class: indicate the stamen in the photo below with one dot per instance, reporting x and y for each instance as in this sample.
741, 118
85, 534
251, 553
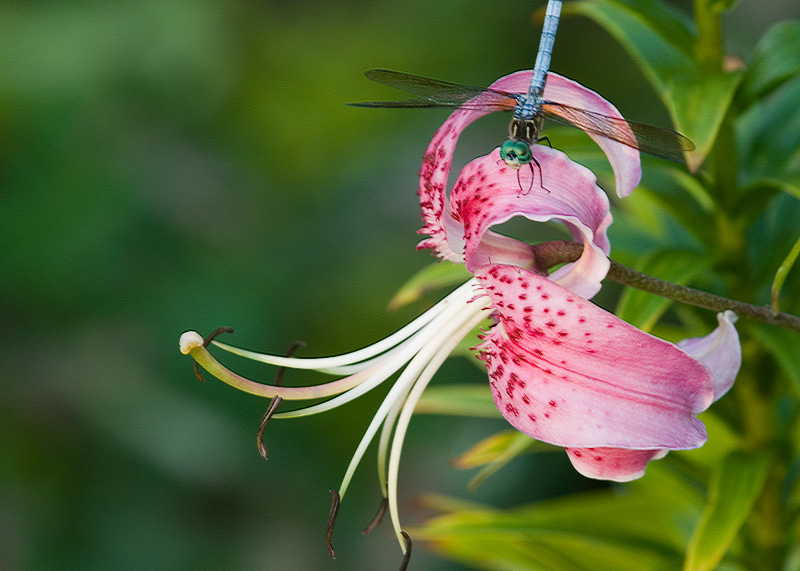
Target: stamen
407, 556
335, 501
378, 517
273, 406
208, 339
433, 362
275, 402
329, 364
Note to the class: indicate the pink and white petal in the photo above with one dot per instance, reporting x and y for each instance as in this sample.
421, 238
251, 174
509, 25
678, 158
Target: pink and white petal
488, 193
615, 464
720, 351
437, 163
567, 372
439, 155
625, 160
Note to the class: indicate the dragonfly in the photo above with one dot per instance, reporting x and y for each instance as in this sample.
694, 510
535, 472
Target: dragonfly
529, 108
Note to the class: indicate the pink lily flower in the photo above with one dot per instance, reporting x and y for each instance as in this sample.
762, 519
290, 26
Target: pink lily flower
561, 369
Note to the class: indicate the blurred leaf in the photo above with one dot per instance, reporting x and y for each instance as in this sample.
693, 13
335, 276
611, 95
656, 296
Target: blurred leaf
678, 266
490, 448
433, 277
783, 345
462, 400
495, 452
736, 485
776, 59
661, 42
780, 275
768, 141
768, 240
595, 531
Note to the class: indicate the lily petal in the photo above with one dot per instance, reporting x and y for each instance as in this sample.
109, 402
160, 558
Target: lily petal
438, 158
488, 193
720, 351
567, 372
615, 464
625, 160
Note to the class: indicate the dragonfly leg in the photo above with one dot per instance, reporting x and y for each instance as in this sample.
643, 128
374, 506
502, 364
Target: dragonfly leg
523, 192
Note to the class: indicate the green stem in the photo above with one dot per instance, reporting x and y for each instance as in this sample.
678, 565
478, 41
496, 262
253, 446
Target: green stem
550, 254
709, 49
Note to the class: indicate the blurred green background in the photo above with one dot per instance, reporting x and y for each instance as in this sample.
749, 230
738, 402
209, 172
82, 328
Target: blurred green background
184, 164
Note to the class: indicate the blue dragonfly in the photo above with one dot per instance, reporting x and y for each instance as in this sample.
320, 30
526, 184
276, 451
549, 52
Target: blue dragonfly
530, 109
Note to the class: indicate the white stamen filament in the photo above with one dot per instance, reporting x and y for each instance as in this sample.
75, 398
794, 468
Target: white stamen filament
446, 330
323, 363
404, 353
422, 346
433, 364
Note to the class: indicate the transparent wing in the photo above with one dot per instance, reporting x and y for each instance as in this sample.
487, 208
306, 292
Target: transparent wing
649, 139
436, 93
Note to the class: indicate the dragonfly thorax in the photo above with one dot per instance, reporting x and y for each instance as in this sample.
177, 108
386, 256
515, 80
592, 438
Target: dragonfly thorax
522, 133
525, 129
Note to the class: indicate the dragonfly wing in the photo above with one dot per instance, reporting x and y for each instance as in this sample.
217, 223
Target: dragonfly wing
436, 93
656, 141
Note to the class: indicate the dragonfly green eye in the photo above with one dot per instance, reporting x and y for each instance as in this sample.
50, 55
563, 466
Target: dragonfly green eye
515, 153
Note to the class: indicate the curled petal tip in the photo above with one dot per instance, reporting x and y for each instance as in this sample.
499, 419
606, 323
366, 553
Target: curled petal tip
190, 340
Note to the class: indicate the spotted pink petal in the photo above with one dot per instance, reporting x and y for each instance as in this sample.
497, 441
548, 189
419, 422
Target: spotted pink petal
488, 193
567, 372
439, 155
720, 352
615, 464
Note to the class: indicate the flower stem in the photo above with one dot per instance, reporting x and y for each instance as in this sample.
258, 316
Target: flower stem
553, 253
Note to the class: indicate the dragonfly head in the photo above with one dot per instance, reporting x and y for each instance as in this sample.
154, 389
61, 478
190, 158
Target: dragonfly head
522, 133
515, 153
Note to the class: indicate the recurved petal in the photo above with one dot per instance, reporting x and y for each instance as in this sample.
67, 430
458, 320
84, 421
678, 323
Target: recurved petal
436, 165
567, 372
615, 464
488, 193
720, 351
625, 160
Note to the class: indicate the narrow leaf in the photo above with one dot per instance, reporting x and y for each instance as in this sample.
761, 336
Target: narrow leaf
644, 309
780, 275
430, 278
783, 345
734, 489
661, 43
776, 59
462, 400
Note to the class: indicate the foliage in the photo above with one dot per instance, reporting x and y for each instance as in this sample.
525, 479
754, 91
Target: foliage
726, 226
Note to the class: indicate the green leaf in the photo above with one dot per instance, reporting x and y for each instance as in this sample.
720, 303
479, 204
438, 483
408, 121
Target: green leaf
495, 452
463, 400
782, 273
776, 59
602, 530
661, 42
734, 489
431, 278
783, 345
767, 137
644, 309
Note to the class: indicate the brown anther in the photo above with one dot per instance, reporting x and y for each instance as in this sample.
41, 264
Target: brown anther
407, 556
336, 500
274, 403
378, 517
273, 406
